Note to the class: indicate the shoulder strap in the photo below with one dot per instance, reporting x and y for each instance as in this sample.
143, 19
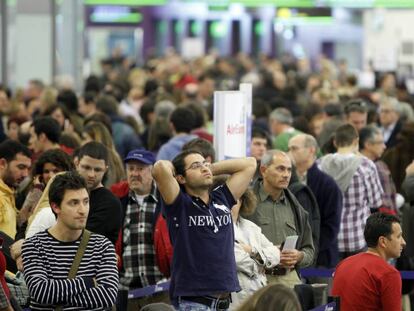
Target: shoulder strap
79, 254
78, 258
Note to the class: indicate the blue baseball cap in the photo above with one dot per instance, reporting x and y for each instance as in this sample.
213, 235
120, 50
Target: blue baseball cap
141, 155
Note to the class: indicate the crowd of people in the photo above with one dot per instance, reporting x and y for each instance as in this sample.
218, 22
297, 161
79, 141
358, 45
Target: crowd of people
117, 187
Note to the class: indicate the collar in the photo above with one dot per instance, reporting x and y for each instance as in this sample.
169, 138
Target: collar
263, 195
150, 196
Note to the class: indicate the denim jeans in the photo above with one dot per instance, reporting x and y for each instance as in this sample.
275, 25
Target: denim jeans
186, 305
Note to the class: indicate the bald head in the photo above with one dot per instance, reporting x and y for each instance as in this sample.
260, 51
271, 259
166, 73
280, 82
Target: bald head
302, 149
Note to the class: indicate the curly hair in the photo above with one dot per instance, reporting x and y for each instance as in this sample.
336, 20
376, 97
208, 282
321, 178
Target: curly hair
55, 156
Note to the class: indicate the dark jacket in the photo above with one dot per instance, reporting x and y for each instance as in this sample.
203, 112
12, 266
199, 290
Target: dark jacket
329, 198
393, 139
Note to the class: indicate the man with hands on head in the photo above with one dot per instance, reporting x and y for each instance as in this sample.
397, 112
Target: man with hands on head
200, 226
279, 215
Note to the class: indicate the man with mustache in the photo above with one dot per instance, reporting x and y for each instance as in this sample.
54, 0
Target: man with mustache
105, 208
15, 163
279, 215
135, 245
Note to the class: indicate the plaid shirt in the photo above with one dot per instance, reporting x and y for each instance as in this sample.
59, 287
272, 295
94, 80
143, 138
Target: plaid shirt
388, 197
364, 193
139, 263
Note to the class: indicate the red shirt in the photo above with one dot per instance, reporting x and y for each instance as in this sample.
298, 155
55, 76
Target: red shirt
367, 282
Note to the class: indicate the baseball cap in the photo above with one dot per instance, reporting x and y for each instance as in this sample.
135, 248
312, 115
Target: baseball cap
141, 155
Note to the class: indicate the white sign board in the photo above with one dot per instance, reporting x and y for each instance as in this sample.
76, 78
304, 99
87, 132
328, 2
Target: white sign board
192, 48
247, 89
230, 124
385, 60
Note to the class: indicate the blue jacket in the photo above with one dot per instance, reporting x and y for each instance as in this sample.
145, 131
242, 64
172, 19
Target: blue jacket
329, 198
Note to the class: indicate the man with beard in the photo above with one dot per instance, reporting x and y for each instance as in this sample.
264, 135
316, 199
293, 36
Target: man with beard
14, 167
105, 208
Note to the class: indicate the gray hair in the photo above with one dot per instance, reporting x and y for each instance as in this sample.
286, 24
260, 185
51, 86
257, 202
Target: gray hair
367, 134
267, 158
164, 108
309, 141
281, 115
393, 102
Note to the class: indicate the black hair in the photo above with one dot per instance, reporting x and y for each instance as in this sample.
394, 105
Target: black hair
94, 150
67, 181
203, 146
68, 99
182, 119
378, 224
356, 105
179, 161
10, 148
48, 126
55, 156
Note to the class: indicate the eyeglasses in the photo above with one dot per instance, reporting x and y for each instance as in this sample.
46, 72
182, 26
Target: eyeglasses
197, 165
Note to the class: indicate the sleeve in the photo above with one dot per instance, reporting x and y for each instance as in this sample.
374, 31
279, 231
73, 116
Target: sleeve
244, 262
227, 194
43, 289
104, 295
269, 252
373, 188
43, 220
174, 209
391, 291
306, 245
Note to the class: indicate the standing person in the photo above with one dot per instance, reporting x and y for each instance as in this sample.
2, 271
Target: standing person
358, 179
135, 245
303, 149
279, 215
366, 281
14, 167
200, 226
48, 255
182, 123
372, 145
105, 208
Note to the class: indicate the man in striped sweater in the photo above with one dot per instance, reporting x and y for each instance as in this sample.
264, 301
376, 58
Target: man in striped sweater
48, 255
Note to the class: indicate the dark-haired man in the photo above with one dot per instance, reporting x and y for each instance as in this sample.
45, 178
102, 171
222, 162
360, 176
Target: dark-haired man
105, 208
48, 255
356, 112
199, 221
44, 135
181, 122
358, 179
14, 167
367, 281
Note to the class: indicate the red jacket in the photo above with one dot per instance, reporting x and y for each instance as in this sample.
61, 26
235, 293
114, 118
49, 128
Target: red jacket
162, 243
